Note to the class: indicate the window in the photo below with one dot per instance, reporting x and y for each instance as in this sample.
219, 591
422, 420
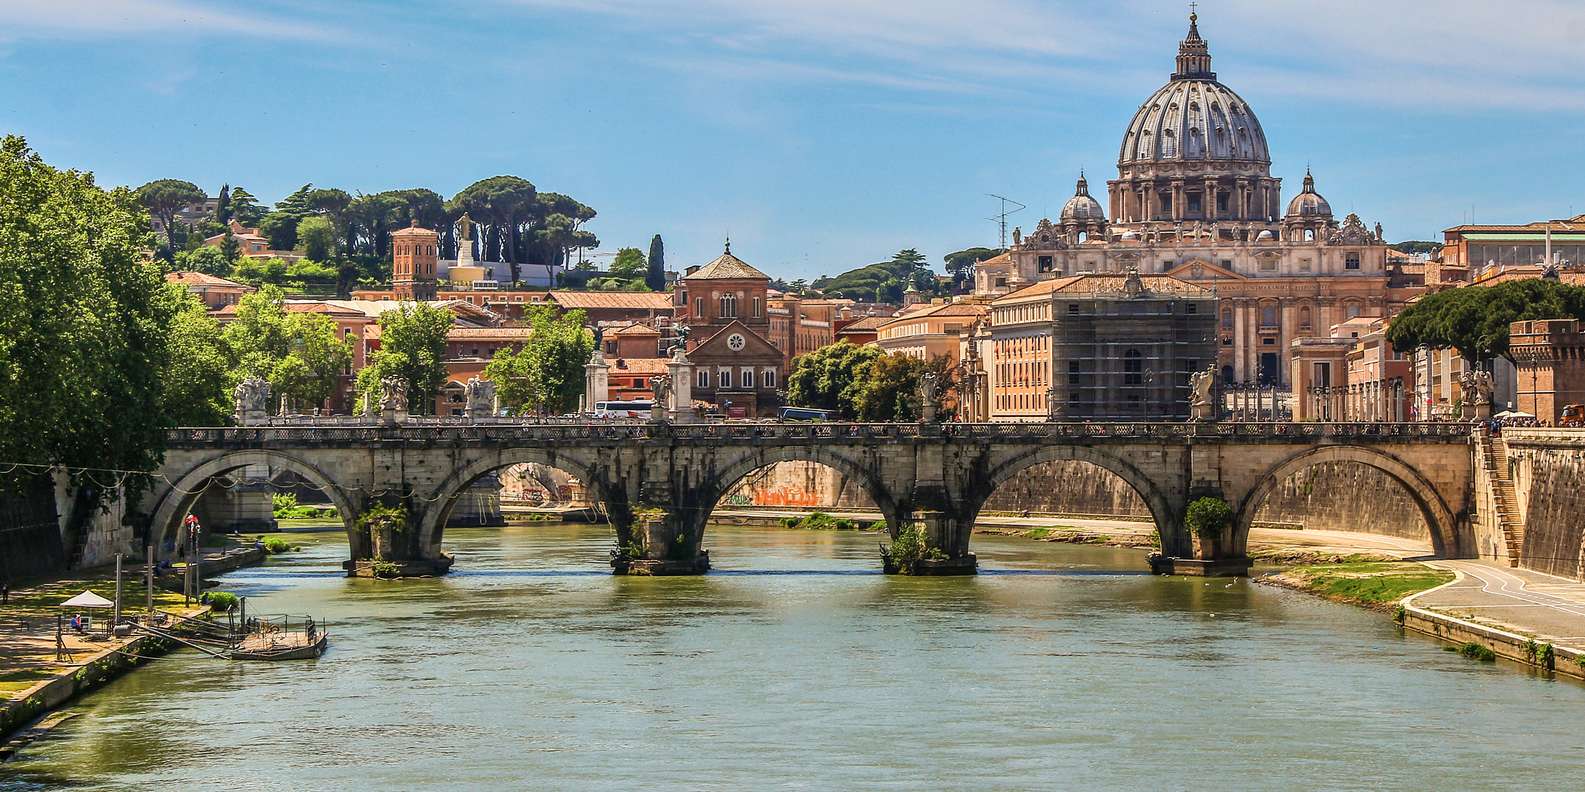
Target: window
1166, 264
1133, 368
723, 379
1227, 318
1227, 264
1045, 264
1351, 261
728, 306
1221, 201
746, 380
1304, 317
1304, 264
1192, 309
1268, 342
703, 378
768, 378
1268, 264
1268, 315
759, 310
1194, 202
1351, 310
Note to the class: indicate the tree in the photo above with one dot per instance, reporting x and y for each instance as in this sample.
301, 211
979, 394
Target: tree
280, 225
1474, 319
254, 271
318, 238
961, 264
164, 198
502, 204
1418, 246
832, 377
245, 209
230, 249
546, 375
655, 279
223, 204
890, 390
84, 321
207, 259
302, 355
412, 347
194, 385
883, 281
629, 263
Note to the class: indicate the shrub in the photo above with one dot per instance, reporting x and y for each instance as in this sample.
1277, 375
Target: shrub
381, 518
1208, 516
275, 545
222, 601
1400, 613
283, 501
912, 546
1546, 657
1475, 651
386, 570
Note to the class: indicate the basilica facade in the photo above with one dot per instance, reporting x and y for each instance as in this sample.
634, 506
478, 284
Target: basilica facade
1194, 199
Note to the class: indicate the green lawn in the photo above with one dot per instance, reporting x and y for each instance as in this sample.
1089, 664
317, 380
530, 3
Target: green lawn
1376, 583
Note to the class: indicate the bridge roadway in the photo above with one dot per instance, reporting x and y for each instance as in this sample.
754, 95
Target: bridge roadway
659, 482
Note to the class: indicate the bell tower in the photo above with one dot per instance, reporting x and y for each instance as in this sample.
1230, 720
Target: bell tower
415, 255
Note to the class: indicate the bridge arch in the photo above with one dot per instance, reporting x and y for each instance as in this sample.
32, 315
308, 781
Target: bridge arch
1168, 520
184, 490
1438, 517
721, 480
435, 507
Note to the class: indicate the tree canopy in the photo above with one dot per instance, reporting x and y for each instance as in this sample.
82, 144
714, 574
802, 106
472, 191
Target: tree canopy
1474, 319
198, 378
84, 321
883, 281
655, 276
546, 375
412, 347
301, 354
164, 198
863, 383
961, 264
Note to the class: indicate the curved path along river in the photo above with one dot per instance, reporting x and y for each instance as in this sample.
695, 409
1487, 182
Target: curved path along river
796, 666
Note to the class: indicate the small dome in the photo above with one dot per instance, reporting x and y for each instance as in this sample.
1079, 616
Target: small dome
1309, 203
1082, 208
1265, 236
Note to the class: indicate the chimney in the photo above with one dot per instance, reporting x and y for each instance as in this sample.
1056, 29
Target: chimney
691, 271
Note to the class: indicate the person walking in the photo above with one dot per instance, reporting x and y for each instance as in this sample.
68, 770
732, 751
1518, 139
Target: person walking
5, 592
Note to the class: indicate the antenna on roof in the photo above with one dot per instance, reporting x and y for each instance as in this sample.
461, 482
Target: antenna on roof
1001, 217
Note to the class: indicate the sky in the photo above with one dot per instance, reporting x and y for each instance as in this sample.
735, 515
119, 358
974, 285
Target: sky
820, 135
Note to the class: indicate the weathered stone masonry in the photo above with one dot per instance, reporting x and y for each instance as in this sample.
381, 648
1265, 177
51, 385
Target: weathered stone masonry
669, 478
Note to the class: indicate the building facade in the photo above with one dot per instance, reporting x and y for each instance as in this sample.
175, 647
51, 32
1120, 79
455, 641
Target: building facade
1098, 347
415, 259
1194, 199
737, 369
1550, 357
932, 331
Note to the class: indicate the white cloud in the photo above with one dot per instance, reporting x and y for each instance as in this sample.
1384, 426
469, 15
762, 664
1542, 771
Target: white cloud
123, 18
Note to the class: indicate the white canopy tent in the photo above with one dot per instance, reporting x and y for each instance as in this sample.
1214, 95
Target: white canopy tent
88, 599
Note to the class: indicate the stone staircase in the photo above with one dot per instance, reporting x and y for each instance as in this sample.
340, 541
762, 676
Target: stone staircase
1494, 456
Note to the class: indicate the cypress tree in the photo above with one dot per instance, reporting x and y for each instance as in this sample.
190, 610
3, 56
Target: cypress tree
655, 278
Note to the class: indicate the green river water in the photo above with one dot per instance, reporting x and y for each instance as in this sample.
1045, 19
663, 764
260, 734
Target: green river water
796, 665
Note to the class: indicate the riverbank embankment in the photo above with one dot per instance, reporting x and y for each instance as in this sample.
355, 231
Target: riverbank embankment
37, 677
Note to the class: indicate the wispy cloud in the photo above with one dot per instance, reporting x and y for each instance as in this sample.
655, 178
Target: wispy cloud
21, 19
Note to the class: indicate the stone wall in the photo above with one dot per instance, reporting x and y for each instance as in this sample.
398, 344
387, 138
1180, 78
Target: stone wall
30, 534
1328, 496
1345, 496
1548, 472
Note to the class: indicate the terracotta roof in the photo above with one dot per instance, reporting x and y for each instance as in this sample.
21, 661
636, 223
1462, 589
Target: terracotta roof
940, 311
867, 324
639, 365
727, 267
202, 279
633, 329
1106, 284
413, 230
648, 301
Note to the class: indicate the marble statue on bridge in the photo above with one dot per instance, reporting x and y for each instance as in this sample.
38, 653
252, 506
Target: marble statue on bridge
393, 397
480, 397
1202, 394
252, 399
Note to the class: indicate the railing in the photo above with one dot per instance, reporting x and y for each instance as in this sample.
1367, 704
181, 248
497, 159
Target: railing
498, 430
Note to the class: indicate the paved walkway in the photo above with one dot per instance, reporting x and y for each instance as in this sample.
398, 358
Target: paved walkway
1517, 600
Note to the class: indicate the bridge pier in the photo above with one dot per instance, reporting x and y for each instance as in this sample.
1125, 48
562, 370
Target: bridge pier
661, 543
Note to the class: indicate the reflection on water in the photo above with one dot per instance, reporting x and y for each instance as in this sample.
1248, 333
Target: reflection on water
797, 665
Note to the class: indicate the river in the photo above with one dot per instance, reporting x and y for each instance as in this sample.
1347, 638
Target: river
796, 665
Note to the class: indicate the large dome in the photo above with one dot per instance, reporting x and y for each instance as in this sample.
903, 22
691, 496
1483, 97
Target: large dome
1193, 117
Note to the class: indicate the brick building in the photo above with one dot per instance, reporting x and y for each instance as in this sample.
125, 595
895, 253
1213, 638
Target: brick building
1549, 355
415, 259
736, 367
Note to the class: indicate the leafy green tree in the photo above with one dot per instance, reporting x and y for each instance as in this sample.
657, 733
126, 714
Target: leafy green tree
961, 264
84, 322
164, 198
256, 271
890, 389
318, 238
230, 249
1474, 319
280, 225
832, 377
245, 208
655, 279
301, 354
207, 259
1418, 246
503, 204
412, 347
546, 375
196, 379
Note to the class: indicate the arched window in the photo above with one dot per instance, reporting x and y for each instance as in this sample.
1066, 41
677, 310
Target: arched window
1304, 317
1351, 310
1227, 318
1268, 314
728, 306
704, 378
1133, 368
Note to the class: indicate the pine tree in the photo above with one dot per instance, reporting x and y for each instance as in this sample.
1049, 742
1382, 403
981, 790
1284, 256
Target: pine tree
655, 278
223, 204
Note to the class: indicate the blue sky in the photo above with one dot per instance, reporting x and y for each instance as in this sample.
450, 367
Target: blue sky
821, 134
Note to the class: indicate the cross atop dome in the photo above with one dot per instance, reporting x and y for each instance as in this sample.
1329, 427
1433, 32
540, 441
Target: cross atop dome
1194, 55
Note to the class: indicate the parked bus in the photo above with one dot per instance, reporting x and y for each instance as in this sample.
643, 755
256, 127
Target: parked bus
636, 408
804, 414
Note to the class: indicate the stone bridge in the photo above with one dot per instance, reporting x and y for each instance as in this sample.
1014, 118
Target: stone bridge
659, 482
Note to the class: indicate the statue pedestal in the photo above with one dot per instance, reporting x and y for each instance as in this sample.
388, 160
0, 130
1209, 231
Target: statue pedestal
1477, 412
1202, 412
